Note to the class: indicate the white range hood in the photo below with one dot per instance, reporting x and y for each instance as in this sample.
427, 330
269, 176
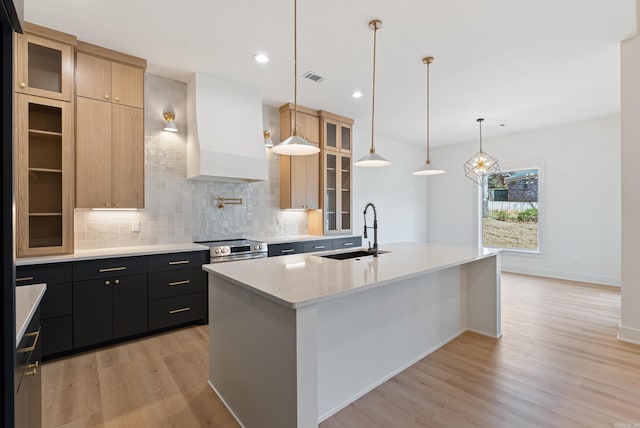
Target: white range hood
225, 141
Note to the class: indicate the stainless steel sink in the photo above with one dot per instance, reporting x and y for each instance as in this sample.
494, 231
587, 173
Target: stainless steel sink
350, 255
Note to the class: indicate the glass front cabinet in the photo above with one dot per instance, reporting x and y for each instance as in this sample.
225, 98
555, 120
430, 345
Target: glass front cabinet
336, 170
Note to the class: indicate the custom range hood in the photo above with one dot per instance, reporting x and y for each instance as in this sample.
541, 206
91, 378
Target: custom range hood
225, 141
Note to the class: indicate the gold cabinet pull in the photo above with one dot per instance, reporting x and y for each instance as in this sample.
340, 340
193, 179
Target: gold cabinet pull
180, 262
114, 269
23, 85
117, 99
26, 278
106, 96
107, 283
173, 284
36, 336
177, 311
31, 369
117, 281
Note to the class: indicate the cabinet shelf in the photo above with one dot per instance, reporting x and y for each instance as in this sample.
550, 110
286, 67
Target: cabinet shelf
44, 214
48, 133
49, 170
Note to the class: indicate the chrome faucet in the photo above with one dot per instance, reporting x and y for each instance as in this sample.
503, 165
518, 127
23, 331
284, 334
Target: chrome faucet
373, 250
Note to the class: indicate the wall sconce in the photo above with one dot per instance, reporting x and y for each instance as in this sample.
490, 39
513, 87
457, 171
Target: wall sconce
169, 117
267, 139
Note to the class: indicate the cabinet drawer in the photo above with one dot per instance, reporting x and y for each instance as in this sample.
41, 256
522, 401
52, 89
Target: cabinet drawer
312, 246
56, 335
175, 283
353, 241
49, 274
285, 249
178, 261
108, 268
177, 310
57, 301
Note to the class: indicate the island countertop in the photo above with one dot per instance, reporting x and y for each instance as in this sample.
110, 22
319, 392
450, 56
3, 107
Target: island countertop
28, 298
300, 280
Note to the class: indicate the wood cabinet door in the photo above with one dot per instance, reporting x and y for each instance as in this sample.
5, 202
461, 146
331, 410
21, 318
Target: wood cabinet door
93, 151
127, 84
312, 181
127, 157
297, 182
129, 305
43, 67
312, 128
93, 77
92, 312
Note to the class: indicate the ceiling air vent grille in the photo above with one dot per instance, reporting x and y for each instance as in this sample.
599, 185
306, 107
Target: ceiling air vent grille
314, 77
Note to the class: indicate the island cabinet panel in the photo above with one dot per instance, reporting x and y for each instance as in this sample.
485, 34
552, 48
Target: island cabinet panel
27, 384
177, 289
56, 306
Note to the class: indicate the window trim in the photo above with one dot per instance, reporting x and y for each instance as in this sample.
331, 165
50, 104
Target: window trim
540, 165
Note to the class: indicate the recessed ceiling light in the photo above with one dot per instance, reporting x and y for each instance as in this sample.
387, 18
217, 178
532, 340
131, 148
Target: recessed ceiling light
261, 58
357, 94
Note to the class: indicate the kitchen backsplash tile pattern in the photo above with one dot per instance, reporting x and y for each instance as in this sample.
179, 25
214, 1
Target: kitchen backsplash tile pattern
182, 210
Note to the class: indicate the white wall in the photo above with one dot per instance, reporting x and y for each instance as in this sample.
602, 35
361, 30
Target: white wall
630, 103
399, 196
580, 207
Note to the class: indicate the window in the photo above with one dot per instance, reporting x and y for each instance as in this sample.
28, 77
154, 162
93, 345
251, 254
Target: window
510, 210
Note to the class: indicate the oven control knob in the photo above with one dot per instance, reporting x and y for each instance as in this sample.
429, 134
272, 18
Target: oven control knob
224, 250
257, 247
217, 251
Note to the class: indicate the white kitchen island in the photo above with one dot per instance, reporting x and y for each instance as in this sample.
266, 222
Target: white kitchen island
294, 339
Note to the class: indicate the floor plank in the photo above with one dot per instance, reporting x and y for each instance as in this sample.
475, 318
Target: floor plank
558, 364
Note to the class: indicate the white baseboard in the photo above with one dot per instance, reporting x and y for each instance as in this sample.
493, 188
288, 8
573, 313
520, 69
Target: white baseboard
628, 334
225, 404
571, 276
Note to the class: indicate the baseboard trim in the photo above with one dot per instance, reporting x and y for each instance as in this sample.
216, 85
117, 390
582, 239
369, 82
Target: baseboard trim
629, 335
571, 276
225, 404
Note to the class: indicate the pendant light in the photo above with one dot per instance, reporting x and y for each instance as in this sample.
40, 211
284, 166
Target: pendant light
373, 160
427, 168
481, 164
295, 145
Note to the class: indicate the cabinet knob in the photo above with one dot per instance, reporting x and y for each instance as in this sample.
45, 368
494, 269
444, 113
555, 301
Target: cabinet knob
107, 283
117, 205
23, 85
106, 96
107, 204
116, 99
117, 281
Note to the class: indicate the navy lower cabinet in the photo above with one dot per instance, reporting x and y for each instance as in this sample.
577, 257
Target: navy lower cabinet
112, 304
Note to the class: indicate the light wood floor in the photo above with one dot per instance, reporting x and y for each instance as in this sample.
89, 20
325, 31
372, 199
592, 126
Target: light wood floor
558, 365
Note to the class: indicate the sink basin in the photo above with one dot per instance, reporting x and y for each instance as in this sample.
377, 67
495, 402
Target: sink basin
350, 255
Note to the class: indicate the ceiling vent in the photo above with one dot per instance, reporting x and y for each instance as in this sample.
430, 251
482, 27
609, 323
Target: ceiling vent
314, 77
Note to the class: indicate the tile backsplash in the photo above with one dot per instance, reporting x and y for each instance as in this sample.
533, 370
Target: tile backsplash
181, 210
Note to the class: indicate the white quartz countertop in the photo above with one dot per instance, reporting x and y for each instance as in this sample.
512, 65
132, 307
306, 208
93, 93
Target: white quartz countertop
303, 279
106, 253
28, 298
303, 238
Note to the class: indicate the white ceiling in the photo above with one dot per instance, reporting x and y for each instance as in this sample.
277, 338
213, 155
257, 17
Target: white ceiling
524, 64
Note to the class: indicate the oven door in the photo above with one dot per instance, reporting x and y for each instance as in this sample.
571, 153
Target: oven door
235, 257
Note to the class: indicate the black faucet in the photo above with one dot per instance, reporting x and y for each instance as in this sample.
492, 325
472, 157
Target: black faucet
373, 250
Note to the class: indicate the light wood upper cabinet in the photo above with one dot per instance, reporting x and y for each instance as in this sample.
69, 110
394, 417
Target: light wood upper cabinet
110, 128
336, 132
300, 175
44, 63
44, 176
105, 80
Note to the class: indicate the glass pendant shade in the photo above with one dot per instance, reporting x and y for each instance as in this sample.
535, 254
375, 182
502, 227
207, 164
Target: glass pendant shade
372, 160
295, 146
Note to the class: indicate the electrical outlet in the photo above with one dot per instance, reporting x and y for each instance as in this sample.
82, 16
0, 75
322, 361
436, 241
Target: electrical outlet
246, 296
135, 225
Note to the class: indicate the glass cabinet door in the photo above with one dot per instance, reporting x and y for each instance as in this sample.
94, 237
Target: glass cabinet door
345, 138
345, 192
331, 195
43, 67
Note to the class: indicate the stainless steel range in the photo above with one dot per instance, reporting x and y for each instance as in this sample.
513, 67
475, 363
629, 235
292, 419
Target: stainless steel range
235, 249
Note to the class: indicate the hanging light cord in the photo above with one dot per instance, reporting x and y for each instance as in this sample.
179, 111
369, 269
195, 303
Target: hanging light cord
295, 67
373, 92
480, 122
428, 154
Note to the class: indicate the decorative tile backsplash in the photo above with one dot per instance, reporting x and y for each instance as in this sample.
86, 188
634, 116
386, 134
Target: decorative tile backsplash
181, 210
